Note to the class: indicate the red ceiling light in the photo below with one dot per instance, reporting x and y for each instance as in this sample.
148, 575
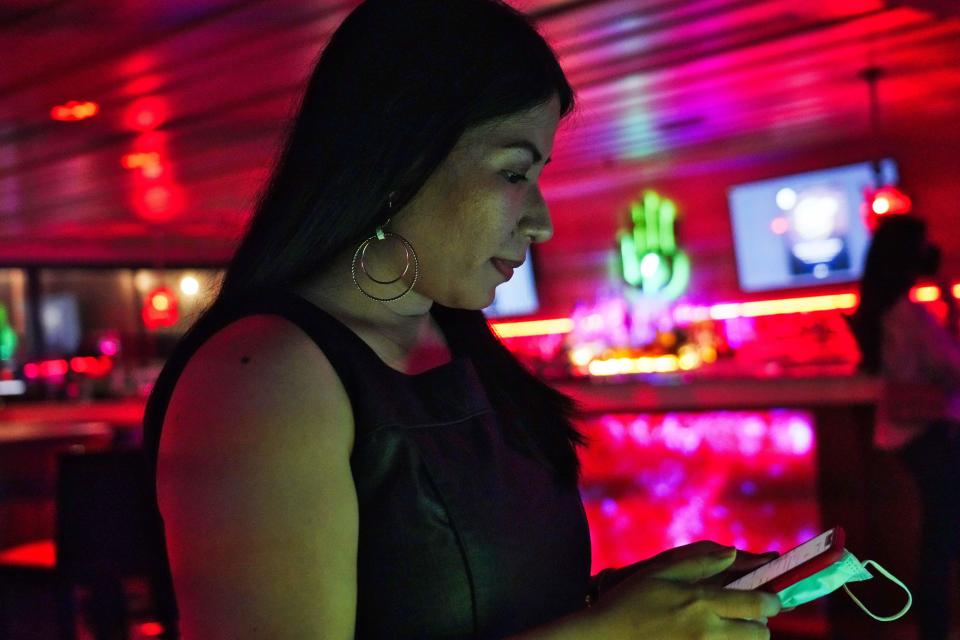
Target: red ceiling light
74, 110
880, 200
157, 198
140, 160
155, 194
146, 114
157, 201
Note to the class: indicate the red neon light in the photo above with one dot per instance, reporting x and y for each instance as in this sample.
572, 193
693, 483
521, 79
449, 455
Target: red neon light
885, 201
92, 366
42, 553
925, 294
160, 309
523, 328
160, 301
762, 308
79, 365
106, 364
151, 629
890, 200
53, 368
751, 309
74, 110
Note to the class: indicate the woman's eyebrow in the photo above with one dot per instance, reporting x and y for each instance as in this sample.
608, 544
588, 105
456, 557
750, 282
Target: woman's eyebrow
529, 146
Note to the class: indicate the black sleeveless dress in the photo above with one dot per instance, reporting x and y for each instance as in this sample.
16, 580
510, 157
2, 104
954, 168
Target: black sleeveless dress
462, 535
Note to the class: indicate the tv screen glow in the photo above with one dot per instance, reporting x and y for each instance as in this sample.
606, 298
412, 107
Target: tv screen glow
805, 229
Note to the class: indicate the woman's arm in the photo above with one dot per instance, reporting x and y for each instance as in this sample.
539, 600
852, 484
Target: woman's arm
255, 488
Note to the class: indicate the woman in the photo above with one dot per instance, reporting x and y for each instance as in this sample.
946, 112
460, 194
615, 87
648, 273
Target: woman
347, 450
918, 413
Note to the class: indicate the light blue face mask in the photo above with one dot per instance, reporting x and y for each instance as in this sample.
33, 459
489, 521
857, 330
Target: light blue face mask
846, 569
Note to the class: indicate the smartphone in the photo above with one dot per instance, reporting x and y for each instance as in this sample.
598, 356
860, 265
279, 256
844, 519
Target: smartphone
800, 562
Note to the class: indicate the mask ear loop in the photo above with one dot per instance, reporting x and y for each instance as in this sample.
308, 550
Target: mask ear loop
889, 577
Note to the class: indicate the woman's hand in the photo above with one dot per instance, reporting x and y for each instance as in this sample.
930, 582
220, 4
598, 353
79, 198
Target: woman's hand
744, 562
670, 597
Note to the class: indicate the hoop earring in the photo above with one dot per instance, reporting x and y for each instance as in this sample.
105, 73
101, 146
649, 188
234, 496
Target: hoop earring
379, 236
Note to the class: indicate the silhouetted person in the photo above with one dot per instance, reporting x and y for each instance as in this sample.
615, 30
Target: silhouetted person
918, 412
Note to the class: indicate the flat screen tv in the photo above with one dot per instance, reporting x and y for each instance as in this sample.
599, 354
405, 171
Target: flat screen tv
60, 316
518, 295
805, 229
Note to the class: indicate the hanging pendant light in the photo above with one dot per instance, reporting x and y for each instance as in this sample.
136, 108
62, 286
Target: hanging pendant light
880, 200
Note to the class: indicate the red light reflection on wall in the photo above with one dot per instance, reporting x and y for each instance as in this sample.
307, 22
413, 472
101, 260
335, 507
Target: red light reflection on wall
656, 481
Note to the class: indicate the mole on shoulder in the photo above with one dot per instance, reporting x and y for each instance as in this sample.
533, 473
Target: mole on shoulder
244, 359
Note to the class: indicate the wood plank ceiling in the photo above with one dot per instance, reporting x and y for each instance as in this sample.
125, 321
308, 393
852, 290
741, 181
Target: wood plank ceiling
208, 86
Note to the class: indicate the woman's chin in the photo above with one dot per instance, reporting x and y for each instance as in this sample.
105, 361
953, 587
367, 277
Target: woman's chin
473, 301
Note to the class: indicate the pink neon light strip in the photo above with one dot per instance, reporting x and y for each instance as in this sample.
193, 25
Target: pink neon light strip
726, 311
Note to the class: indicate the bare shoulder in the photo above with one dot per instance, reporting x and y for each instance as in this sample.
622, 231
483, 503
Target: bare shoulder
260, 366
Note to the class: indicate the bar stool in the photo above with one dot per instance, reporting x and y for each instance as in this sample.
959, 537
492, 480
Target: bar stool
107, 535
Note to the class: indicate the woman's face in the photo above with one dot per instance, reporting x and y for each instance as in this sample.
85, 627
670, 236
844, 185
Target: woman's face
483, 202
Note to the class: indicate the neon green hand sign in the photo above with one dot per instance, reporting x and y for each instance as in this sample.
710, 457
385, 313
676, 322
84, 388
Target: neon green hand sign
8, 337
651, 260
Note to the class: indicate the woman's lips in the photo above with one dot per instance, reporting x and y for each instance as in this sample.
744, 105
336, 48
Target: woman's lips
502, 267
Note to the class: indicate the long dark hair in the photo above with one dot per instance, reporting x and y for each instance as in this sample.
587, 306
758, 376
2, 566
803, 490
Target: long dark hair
895, 260
396, 86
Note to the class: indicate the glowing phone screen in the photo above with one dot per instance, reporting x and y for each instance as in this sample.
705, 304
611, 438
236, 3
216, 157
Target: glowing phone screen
793, 558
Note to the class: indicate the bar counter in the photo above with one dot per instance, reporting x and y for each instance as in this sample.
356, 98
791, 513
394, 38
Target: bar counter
693, 393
